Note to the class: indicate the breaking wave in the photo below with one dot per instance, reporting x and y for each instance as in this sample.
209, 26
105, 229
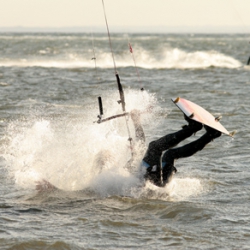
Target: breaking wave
168, 59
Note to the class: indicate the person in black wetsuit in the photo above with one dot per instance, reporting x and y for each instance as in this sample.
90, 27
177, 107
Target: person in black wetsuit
248, 62
158, 162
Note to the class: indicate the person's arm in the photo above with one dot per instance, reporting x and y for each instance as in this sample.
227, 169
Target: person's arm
139, 133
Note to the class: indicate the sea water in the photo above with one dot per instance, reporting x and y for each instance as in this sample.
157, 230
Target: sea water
49, 131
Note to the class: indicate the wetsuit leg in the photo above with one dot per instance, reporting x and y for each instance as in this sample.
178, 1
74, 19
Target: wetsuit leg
185, 151
152, 157
155, 148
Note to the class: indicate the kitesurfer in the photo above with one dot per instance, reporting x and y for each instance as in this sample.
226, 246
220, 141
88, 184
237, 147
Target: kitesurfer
158, 162
248, 62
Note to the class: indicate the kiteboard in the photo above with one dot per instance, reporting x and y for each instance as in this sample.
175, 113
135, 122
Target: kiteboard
199, 114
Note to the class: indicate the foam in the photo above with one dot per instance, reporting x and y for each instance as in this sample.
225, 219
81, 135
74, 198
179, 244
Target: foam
74, 153
170, 58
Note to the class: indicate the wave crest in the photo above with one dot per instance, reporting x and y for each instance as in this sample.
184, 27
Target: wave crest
170, 58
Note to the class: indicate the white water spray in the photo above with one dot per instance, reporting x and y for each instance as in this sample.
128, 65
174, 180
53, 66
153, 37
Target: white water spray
78, 154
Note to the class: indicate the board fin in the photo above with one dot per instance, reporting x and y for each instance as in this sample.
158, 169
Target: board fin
232, 133
218, 118
176, 100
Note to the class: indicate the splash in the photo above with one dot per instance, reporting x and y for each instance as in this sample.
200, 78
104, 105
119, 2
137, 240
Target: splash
178, 189
182, 188
76, 153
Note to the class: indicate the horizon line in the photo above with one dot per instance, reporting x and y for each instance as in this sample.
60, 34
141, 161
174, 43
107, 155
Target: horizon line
133, 29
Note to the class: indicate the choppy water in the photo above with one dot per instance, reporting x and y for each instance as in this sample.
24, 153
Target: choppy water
49, 88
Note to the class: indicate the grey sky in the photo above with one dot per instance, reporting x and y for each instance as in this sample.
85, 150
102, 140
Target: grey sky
129, 13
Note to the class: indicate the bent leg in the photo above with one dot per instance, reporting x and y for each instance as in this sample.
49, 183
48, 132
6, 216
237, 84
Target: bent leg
155, 148
185, 151
152, 158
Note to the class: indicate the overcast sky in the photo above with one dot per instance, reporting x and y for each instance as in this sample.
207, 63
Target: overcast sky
127, 13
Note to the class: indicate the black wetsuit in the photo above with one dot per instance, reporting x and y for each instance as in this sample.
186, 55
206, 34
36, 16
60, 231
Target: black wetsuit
248, 62
160, 168
159, 165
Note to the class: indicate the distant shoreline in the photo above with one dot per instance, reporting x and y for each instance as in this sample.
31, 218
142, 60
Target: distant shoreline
125, 29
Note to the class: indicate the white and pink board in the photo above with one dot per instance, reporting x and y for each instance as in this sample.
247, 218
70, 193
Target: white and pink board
199, 114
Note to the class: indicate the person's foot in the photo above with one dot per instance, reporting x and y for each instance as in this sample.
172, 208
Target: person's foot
213, 133
192, 124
